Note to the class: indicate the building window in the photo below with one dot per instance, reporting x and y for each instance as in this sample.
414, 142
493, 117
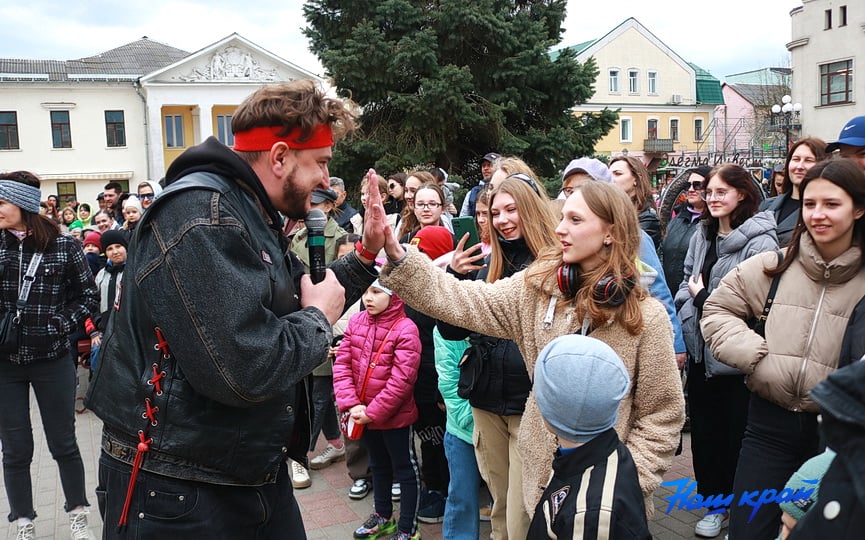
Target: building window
827, 19
633, 81
652, 82
67, 189
61, 134
223, 129
698, 129
674, 129
836, 82
652, 128
625, 126
115, 129
9, 130
614, 81
174, 131
842, 16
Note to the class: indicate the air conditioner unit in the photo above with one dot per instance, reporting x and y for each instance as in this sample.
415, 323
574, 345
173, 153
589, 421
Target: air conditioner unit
676, 99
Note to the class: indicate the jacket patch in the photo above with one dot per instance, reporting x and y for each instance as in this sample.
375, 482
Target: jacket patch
265, 256
557, 498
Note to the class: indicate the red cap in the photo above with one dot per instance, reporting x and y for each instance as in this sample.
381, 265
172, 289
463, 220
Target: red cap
434, 241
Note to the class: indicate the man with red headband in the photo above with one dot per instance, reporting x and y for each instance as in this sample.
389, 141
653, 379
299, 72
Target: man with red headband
202, 380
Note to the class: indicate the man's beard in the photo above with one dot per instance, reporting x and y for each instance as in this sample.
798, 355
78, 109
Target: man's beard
294, 198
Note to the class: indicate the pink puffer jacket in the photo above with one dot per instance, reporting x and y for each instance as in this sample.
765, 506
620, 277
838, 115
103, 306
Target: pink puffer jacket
390, 391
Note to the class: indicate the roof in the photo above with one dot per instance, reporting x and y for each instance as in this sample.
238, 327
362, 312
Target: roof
764, 76
578, 48
127, 62
755, 94
708, 87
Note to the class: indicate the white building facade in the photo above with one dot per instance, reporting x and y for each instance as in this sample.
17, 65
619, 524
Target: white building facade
125, 114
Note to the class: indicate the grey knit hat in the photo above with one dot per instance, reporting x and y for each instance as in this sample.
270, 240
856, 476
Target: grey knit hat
579, 382
21, 195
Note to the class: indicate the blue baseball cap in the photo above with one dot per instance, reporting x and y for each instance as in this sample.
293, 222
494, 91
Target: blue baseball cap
852, 134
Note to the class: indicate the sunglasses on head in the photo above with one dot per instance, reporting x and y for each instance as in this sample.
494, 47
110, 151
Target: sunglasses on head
696, 185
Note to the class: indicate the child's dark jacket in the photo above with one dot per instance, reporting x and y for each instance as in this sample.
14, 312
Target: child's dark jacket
594, 493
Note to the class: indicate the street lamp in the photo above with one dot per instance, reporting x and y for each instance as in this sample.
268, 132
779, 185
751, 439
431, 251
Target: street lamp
786, 117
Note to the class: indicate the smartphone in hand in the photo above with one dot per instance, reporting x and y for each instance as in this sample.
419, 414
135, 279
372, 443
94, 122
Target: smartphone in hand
463, 225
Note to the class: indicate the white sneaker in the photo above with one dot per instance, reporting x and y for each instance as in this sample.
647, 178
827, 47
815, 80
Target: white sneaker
299, 476
78, 526
330, 454
26, 532
711, 525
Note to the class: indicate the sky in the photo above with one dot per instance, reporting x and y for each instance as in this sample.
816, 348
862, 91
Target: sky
726, 37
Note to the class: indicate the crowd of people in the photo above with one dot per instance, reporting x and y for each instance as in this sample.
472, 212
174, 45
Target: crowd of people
533, 378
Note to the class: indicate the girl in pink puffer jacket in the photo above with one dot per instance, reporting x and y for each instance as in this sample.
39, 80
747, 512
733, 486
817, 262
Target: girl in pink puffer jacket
379, 357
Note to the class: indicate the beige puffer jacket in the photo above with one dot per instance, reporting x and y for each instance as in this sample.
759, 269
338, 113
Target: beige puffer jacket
650, 417
805, 326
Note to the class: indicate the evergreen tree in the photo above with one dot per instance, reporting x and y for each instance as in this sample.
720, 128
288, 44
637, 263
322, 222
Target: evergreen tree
445, 81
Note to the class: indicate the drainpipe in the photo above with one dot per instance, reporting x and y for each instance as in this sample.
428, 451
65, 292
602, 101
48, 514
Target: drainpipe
137, 86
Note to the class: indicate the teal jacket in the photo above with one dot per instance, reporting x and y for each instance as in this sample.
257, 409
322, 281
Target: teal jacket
460, 421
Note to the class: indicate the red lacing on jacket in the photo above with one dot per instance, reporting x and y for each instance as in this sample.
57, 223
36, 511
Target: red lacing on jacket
149, 413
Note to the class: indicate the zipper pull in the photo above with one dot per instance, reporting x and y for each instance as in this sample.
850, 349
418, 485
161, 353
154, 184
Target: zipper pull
551, 311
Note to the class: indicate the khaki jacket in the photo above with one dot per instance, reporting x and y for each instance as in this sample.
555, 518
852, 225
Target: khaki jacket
805, 326
650, 417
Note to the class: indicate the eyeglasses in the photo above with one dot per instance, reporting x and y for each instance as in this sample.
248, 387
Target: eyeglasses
696, 185
146, 196
427, 206
718, 194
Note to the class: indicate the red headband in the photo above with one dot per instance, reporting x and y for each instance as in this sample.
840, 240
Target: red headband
263, 138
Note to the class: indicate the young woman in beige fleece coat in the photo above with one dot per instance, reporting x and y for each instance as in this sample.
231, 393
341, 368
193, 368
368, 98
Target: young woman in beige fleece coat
600, 237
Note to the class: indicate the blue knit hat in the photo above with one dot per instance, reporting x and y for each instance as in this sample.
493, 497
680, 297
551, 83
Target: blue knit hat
579, 382
807, 478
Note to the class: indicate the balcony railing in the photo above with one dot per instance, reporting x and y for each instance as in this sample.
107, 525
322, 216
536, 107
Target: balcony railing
657, 146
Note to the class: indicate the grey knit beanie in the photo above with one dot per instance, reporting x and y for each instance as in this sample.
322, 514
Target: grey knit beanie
21, 195
579, 382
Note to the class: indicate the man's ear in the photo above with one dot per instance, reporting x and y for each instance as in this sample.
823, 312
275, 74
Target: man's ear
278, 157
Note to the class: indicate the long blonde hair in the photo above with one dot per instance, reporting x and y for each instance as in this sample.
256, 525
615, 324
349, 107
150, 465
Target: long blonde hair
536, 221
612, 205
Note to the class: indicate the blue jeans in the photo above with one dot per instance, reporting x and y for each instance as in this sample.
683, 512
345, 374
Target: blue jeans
165, 507
323, 410
777, 442
53, 383
462, 519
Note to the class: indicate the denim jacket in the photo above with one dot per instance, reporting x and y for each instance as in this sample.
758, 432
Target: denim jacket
229, 391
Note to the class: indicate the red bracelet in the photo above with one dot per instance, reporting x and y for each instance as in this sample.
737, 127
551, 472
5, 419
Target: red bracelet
364, 253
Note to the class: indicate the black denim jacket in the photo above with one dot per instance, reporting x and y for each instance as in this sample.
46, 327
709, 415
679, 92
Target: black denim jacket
205, 268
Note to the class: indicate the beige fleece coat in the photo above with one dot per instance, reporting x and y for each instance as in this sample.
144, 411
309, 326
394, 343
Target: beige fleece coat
650, 417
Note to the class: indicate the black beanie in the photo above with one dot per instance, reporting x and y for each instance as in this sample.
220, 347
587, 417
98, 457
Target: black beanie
114, 236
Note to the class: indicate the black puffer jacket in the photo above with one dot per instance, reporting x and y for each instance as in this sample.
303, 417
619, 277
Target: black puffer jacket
506, 381
674, 248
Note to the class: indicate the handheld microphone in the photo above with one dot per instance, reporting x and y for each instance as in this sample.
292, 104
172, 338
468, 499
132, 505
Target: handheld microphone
315, 223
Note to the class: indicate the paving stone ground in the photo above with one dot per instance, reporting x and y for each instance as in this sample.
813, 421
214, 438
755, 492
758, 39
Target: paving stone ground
328, 511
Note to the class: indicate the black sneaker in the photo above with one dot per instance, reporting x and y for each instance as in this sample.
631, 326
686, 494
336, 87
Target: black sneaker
359, 489
432, 509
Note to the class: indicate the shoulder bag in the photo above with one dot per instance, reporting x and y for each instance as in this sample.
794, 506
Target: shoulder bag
758, 324
10, 323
